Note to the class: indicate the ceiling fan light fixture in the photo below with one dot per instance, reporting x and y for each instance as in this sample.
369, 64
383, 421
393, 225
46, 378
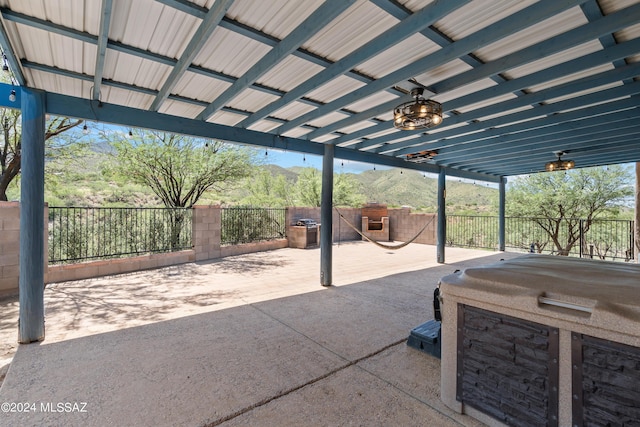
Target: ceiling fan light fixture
419, 114
559, 165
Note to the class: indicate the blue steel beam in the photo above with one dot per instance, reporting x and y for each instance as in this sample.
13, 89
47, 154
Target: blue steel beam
488, 35
526, 144
540, 139
606, 25
329, 10
125, 116
139, 89
612, 54
394, 35
12, 59
626, 154
581, 140
571, 38
201, 36
134, 51
101, 51
240, 28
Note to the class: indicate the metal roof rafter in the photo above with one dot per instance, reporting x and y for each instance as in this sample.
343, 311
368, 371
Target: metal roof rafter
397, 33
318, 19
483, 37
207, 26
103, 38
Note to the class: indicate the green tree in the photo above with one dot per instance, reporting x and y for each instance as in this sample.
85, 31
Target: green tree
177, 168
267, 190
345, 189
559, 201
10, 147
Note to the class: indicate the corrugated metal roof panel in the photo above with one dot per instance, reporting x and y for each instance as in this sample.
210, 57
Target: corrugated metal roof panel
226, 118
629, 33
335, 89
59, 84
275, 17
477, 15
134, 70
323, 138
506, 112
297, 132
251, 100
358, 126
529, 36
401, 55
290, 73
197, 86
415, 5
150, 25
127, 98
372, 101
463, 90
486, 102
555, 59
57, 51
359, 24
264, 126
230, 52
571, 77
583, 92
327, 119
442, 72
181, 109
610, 6
293, 110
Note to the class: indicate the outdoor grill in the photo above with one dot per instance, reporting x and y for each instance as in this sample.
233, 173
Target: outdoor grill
305, 233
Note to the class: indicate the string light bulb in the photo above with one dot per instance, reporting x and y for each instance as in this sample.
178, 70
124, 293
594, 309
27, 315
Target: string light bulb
12, 95
85, 129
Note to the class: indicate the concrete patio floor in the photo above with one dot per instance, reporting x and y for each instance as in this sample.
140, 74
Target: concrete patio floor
246, 340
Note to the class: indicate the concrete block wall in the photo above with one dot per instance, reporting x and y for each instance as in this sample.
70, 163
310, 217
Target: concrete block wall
341, 231
404, 225
206, 229
9, 247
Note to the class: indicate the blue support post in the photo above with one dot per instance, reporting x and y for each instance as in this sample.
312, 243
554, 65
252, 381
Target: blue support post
501, 204
326, 216
442, 219
31, 285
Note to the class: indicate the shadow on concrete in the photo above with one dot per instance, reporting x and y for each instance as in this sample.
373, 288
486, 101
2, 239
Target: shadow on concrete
332, 356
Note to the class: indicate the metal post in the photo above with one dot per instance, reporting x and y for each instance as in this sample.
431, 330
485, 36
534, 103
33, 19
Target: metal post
501, 209
581, 224
326, 217
442, 219
31, 284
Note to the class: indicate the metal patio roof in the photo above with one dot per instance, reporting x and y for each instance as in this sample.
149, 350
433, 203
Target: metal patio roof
518, 79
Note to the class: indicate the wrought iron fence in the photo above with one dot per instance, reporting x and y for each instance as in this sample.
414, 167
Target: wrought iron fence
246, 225
599, 238
78, 234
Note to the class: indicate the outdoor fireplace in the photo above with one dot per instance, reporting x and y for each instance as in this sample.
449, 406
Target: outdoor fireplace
375, 221
543, 340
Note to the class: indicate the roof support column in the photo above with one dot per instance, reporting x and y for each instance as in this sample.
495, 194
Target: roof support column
326, 216
501, 206
31, 284
636, 231
442, 219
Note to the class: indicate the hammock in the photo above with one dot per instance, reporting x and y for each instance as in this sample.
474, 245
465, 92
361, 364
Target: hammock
382, 245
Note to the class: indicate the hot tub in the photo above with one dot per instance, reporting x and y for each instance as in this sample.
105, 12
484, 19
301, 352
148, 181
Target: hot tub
543, 340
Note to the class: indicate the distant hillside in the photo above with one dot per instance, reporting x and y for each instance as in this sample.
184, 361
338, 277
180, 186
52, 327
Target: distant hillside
411, 188
81, 183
